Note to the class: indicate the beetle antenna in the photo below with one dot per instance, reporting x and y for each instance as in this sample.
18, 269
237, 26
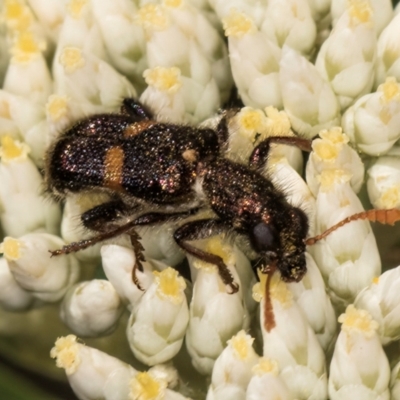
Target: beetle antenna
382, 216
269, 317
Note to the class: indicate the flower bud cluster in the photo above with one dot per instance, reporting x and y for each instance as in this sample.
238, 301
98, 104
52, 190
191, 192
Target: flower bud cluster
303, 67
334, 173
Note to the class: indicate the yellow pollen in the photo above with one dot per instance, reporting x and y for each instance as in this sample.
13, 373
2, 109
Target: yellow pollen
334, 135
390, 198
265, 366
164, 79
13, 9
173, 3
241, 344
330, 177
12, 149
325, 150
278, 123
75, 8
66, 353
251, 122
26, 47
17, 15
71, 59
170, 286
11, 248
215, 246
375, 280
278, 290
359, 11
56, 107
390, 90
146, 387
358, 320
152, 16
238, 24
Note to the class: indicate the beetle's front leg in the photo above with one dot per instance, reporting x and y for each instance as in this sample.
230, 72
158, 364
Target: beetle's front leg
202, 229
259, 155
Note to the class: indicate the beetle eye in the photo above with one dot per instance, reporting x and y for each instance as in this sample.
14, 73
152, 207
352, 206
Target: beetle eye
264, 237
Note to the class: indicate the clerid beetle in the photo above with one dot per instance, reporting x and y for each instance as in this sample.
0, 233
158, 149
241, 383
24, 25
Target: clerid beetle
149, 168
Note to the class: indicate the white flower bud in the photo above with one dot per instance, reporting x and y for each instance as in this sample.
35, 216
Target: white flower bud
291, 341
310, 295
381, 11
91, 373
147, 385
384, 183
211, 46
72, 229
47, 278
395, 382
348, 258
320, 10
12, 296
346, 59
166, 372
91, 308
17, 114
164, 94
246, 277
254, 9
307, 99
388, 52
373, 122
233, 368
333, 159
381, 300
296, 191
79, 30
28, 74
90, 81
50, 15
254, 61
118, 262
115, 22
266, 384
359, 367
23, 208
159, 244
290, 23
157, 325
215, 315
60, 111
203, 88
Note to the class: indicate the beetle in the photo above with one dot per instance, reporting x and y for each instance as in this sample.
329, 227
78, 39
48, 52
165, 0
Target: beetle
149, 168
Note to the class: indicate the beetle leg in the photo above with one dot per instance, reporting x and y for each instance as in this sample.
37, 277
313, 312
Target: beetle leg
135, 109
99, 217
145, 219
202, 229
259, 155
